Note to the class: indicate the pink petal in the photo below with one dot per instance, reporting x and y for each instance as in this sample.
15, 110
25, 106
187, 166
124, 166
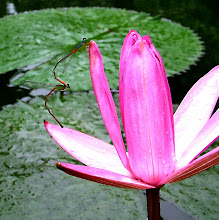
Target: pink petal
102, 176
202, 163
206, 136
105, 101
88, 150
129, 40
146, 110
195, 110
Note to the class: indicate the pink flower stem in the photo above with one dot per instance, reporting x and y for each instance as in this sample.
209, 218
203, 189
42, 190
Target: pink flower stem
153, 203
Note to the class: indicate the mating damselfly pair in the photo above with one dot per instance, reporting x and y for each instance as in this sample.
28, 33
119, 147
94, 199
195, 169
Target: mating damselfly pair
60, 87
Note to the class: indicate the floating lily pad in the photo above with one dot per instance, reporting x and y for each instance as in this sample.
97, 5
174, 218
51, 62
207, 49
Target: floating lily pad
31, 185
39, 38
33, 188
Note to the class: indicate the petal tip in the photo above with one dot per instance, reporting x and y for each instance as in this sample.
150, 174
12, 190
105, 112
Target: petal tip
59, 166
92, 43
46, 123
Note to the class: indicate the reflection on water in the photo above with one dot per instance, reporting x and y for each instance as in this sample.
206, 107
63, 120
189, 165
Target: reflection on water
11, 9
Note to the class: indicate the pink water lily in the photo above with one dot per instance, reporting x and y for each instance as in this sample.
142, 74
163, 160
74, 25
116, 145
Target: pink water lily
162, 147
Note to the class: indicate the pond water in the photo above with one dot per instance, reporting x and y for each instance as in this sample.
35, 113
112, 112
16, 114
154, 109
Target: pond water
22, 195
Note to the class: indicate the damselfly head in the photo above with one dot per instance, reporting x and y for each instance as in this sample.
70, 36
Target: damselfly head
68, 86
85, 44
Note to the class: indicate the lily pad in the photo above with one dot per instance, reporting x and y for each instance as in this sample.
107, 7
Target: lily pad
39, 37
33, 188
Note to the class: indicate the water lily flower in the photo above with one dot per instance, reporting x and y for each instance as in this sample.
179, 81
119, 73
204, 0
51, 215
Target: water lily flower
161, 147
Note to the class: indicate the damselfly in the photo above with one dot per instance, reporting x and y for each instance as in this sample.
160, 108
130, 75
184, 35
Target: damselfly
63, 87
83, 43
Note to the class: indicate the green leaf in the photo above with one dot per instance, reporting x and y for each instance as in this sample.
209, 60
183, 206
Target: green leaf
31, 185
29, 38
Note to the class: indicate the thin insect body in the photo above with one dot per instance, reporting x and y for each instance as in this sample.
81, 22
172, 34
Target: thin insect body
59, 87
78, 46
64, 85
